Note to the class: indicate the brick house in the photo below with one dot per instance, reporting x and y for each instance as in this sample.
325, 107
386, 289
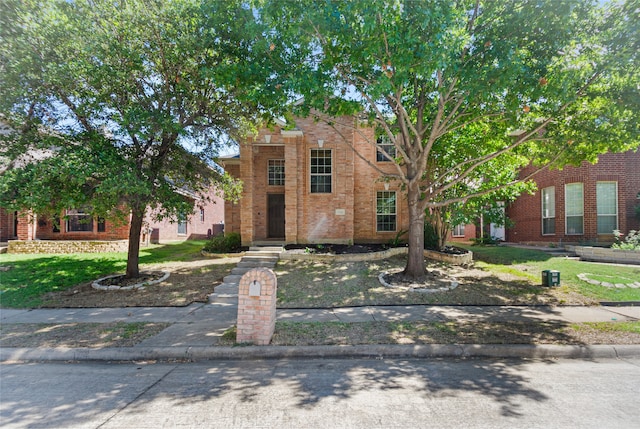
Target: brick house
307, 185
580, 204
76, 225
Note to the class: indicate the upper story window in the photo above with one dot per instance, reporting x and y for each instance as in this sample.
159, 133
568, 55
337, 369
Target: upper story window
321, 177
275, 171
79, 220
574, 208
385, 145
607, 206
549, 210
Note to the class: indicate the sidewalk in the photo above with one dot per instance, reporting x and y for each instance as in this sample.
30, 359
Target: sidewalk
195, 330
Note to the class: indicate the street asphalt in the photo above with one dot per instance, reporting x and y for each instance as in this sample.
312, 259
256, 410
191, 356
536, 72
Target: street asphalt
196, 329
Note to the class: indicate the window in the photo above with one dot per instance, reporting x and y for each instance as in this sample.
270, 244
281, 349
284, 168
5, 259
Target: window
79, 221
320, 171
385, 146
574, 208
201, 215
549, 210
386, 211
276, 172
458, 231
607, 206
55, 227
102, 224
182, 225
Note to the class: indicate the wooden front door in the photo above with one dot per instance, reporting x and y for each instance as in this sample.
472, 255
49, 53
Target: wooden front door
275, 219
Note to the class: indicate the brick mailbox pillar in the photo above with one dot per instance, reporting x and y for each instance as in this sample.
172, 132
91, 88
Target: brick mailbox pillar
257, 306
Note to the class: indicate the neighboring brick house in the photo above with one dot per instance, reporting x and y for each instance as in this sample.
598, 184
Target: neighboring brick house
580, 204
308, 185
75, 225
8, 225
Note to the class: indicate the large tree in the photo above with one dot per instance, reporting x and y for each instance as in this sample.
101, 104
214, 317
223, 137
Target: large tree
469, 90
125, 104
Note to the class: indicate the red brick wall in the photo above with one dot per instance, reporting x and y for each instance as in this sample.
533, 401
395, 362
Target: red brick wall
45, 231
7, 225
526, 211
163, 230
231, 209
347, 214
197, 228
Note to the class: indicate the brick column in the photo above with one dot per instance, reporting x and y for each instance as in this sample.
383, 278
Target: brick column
257, 306
291, 186
247, 231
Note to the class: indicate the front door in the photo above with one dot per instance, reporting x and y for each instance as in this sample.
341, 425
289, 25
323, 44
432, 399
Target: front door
275, 221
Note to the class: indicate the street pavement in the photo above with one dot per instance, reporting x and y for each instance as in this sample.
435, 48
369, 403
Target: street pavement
195, 330
324, 393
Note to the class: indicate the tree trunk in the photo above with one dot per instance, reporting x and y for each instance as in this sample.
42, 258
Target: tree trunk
415, 268
133, 257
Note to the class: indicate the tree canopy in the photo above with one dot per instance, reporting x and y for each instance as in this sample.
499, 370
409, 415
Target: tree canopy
470, 91
131, 101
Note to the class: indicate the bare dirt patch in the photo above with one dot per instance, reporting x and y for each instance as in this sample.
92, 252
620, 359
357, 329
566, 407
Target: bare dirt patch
188, 282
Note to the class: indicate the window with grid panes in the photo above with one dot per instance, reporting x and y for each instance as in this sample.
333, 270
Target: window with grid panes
321, 171
276, 172
386, 215
385, 146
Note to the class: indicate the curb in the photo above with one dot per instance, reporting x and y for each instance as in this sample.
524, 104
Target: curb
522, 351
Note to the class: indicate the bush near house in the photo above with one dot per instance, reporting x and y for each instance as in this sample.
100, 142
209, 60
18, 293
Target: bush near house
224, 243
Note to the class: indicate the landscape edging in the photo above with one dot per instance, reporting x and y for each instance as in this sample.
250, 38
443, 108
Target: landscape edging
375, 256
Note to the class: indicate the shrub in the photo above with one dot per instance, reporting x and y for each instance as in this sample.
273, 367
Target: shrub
431, 238
631, 241
485, 241
224, 243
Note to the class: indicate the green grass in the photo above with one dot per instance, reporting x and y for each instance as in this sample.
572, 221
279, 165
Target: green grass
529, 264
632, 327
30, 277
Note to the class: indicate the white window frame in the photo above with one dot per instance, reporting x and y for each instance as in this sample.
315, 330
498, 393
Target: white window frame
275, 172
458, 230
548, 206
381, 211
599, 208
571, 209
182, 224
321, 171
384, 145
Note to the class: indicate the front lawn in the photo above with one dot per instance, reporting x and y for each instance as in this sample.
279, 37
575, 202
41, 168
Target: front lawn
528, 263
63, 280
501, 276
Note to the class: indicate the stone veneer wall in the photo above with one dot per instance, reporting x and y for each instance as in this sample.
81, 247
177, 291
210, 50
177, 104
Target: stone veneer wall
66, 246
605, 254
466, 258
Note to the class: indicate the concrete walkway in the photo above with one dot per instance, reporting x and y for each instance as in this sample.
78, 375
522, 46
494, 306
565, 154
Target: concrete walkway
196, 329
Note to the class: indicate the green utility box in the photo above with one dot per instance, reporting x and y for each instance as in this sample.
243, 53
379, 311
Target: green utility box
550, 278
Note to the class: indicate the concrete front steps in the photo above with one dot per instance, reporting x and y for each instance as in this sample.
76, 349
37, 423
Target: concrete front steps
259, 256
